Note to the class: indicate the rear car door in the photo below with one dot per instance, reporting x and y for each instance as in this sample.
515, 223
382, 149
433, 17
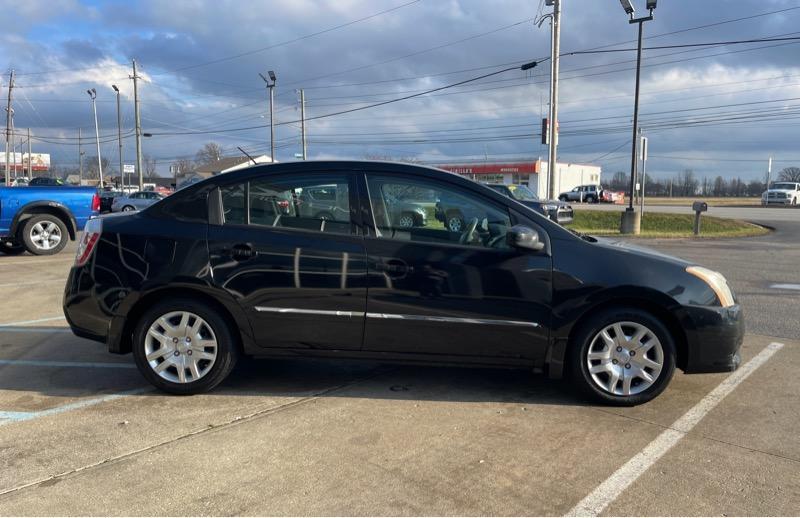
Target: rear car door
298, 276
433, 290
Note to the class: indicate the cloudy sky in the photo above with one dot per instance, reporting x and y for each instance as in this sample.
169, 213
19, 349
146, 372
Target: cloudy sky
721, 109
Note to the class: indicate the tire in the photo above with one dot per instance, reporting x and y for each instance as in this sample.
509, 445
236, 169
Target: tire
794, 202
44, 234
591, 199
209, 372
128, 208
455, 222
406, 220
11, 248
562, 198
588, 340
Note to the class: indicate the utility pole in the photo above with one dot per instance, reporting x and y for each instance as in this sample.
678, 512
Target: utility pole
30, 162
555, 45
8, 127
138, 126
271, 86
80, 159
93, 94
303, 121
643, 153
769, 171
119, 137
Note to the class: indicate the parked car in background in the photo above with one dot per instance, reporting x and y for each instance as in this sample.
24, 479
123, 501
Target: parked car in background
781, 193
583, 193
45, 181
42, 219
332, 202
209, 277
135, 201
107, 199
557, 210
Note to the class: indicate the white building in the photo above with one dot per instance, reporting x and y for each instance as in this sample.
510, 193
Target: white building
532, 173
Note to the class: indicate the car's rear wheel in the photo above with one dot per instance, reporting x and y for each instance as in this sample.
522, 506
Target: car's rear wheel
184, 347
44, 234
622, 356
562, 198
128, 208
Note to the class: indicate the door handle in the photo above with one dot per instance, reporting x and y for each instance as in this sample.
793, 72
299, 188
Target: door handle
242, 252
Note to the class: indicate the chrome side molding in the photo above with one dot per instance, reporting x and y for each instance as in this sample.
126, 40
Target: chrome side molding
395, 316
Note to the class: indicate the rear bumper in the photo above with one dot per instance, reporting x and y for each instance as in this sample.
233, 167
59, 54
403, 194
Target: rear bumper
83, 309
714, 339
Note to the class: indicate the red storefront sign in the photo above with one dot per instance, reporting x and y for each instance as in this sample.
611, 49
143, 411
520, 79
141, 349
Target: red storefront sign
497, 168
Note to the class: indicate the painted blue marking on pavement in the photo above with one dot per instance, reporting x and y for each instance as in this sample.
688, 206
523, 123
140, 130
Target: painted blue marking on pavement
16, 417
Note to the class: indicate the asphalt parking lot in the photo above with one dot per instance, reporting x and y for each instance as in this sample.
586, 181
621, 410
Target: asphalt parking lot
81, 432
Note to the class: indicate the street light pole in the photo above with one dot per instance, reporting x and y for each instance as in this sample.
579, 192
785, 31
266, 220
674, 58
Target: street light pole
271, 85
631, 222
93, 94
119, 137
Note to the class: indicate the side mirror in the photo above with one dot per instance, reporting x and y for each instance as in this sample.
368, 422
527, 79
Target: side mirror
520, 236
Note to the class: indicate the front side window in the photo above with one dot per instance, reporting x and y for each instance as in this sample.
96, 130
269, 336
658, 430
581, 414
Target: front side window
433, 212
522, 193
318, 203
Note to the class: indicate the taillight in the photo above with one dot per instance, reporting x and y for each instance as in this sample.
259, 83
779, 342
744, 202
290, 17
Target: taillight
89, 239
96, 202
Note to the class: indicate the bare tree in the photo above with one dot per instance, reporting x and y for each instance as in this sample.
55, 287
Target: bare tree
686, 183
92, 170
210, 152
149, 166
389, 158
619, 182
183, 166
790, 174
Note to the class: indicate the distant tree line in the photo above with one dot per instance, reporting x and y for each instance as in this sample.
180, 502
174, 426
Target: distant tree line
686, 183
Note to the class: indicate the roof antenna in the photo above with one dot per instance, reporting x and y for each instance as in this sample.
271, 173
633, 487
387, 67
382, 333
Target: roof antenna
247, 155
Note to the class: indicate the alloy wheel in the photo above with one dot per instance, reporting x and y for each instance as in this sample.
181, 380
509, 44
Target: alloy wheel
455, 224
45, 235
406, 221
625, 358
180, 347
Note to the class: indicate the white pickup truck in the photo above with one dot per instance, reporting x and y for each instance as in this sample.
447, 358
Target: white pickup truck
781, 193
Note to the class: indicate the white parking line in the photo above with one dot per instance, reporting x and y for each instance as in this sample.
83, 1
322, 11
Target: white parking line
26, 322
16, 417
24, 329
54, 363
786, 286
608, 491
33, 262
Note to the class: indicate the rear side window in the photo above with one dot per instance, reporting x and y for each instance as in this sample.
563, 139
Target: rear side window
317, 202
185, 206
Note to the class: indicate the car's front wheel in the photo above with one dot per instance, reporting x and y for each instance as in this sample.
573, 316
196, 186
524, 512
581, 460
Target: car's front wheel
406, 220
622, 356
184, 347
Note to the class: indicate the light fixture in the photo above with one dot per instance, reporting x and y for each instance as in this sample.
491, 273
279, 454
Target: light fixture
651, 4
628, 6
271, 75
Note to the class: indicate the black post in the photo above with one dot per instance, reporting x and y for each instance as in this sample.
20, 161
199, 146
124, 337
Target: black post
636, 115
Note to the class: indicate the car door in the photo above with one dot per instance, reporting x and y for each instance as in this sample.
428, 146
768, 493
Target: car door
436, 291
300, 279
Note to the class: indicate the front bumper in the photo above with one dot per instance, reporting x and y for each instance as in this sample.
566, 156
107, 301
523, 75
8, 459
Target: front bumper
714, 338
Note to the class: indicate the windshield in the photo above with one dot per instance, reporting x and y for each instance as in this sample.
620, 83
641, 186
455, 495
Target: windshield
783, 186
522, 193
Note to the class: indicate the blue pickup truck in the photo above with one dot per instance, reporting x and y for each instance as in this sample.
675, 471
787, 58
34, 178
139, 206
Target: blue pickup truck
42, 219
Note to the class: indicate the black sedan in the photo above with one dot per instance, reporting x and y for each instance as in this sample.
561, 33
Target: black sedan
210, 274
557, 210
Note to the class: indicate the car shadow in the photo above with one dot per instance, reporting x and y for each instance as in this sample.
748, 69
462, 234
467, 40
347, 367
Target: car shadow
25, 382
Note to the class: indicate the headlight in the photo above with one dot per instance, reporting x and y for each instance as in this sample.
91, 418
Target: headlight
716, 281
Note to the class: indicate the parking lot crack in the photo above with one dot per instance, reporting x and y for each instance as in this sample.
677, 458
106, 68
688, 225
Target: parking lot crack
233, 421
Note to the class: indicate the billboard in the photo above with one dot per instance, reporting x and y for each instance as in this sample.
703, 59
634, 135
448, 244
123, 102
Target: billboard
19, 161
